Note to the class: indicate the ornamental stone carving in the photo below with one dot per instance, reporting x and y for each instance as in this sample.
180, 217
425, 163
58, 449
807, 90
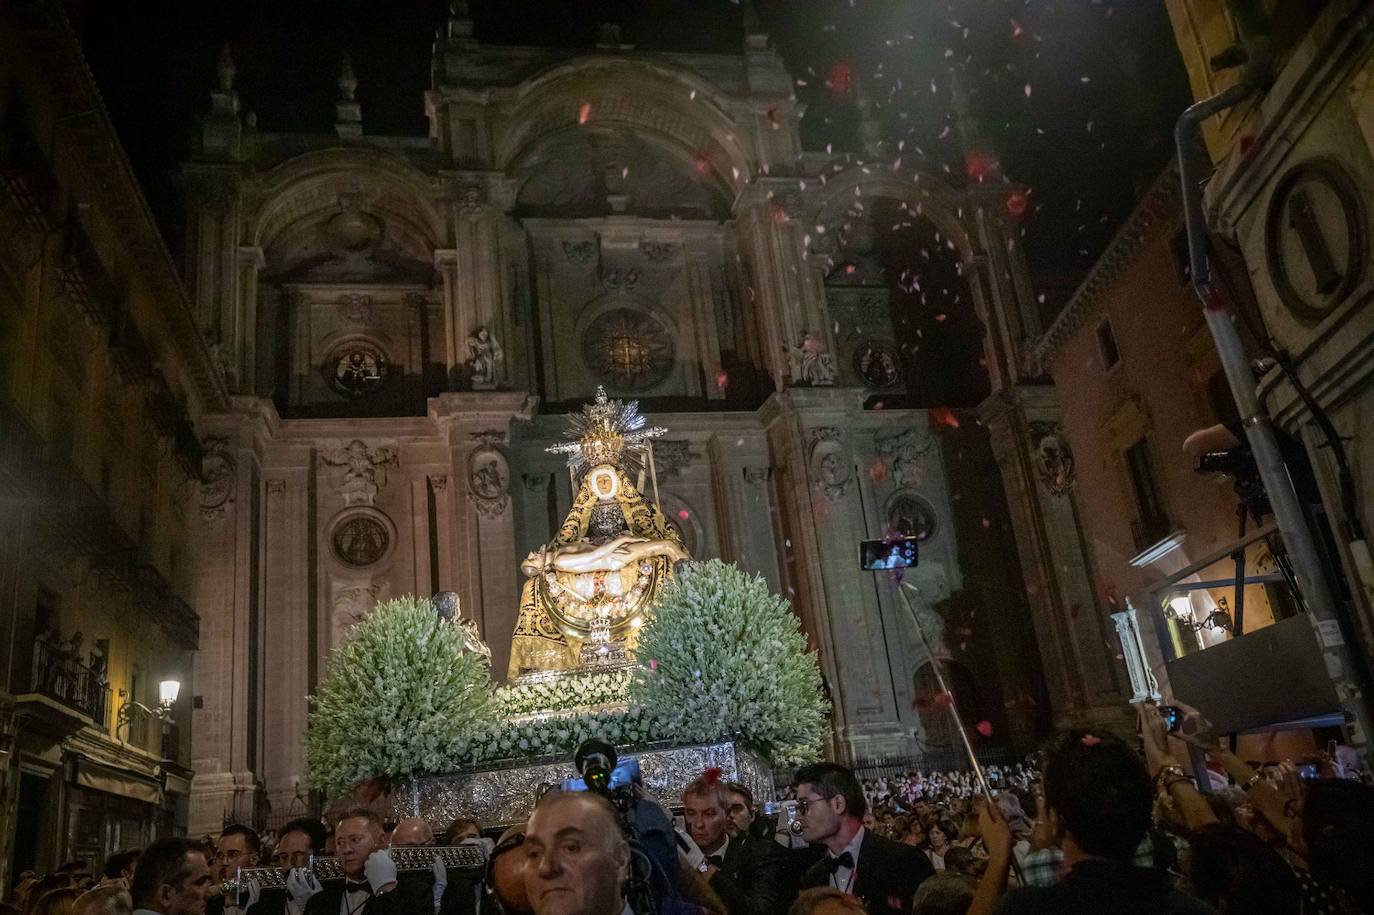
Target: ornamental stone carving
489, 476
485, 358
364, 470
620, 278
756, 475
353, 602
903, 453
355, 308
1053, 458
671, 456
579, 252
831, 470
657, 251
809, 362
470, 195
217, 469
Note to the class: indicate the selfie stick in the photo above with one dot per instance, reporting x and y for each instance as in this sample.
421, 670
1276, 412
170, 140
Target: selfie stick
953, 709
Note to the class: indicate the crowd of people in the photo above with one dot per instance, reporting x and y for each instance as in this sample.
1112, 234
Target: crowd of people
1097, 824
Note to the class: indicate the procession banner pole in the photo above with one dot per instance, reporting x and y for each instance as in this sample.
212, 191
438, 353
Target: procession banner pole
953, 708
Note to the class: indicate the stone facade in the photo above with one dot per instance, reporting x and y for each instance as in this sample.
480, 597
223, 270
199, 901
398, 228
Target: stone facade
1293, 190
103, 374
401, 321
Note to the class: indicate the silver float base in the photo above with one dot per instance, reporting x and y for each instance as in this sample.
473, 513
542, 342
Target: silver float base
502, 795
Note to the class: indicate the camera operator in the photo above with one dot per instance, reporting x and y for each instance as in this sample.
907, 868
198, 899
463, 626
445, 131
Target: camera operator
744, 872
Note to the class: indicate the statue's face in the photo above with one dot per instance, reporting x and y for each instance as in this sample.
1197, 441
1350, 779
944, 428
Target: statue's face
605, 482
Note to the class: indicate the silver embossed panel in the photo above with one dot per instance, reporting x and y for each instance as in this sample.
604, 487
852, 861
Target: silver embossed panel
506, 795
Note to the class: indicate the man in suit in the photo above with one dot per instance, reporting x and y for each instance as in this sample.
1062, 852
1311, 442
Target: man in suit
744, 872
370, 886
171, 878
238, 847
577, 861
880, 872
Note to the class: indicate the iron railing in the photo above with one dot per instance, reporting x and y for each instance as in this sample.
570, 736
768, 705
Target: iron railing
76, 685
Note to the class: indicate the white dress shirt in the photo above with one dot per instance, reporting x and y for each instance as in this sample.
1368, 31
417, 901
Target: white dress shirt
843, 877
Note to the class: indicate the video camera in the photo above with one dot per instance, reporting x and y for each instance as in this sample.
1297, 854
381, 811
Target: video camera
1238, 463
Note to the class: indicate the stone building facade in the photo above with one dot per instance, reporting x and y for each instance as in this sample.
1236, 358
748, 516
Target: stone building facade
1292, 191
401, 322
103, 373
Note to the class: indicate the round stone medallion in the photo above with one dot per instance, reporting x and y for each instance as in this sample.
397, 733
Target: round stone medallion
360, 541
356, 369
628, 349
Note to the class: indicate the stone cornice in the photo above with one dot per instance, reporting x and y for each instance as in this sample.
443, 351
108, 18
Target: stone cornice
1162, 201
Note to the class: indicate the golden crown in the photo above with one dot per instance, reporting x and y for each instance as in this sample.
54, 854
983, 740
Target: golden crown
603, 433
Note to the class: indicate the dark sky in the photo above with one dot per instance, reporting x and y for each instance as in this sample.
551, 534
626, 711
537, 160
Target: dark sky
1075, 97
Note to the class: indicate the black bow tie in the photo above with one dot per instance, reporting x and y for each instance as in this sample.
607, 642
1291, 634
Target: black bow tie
843, 859
357, 886
717, 860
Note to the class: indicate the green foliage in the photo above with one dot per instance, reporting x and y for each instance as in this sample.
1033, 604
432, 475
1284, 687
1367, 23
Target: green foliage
723, 657
401, 697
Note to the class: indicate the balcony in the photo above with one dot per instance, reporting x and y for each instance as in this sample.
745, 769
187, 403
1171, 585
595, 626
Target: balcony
28, 179
84, 278
72, 693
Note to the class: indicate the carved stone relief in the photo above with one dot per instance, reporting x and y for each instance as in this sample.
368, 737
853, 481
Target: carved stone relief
352, 602
671, 456
489, 476
657, 251
217, 468
355, 308
830, 465
579, 252
364, 470
903, 453
1053, 457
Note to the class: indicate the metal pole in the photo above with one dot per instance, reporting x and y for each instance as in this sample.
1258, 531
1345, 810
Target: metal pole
953, 708
1259, 430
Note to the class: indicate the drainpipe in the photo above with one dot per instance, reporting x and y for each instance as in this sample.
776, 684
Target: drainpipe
1322, 609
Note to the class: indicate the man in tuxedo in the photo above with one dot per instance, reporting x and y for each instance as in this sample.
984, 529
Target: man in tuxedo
238, 847
747, 874
882, 873
370, 886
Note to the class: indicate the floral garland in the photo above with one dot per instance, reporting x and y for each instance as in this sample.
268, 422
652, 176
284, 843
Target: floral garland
564, 692
560, 735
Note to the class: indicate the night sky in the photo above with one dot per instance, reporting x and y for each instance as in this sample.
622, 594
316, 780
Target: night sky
1075, 98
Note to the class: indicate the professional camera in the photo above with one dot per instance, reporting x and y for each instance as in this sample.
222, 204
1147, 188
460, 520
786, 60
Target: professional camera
1238, 463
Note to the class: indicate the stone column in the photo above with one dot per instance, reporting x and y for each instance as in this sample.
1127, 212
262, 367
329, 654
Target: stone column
250, 262
1075, 641
227, 597
286, 643
478, 291
701, 295
446, 262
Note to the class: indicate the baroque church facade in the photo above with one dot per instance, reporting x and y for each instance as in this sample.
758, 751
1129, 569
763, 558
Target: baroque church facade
402, 322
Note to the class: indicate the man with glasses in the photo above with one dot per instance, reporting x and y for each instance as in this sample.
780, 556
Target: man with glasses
238, 847
883, 874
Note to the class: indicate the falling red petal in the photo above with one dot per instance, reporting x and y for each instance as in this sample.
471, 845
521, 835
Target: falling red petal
984, 728
583, 113
841, 78
944, 416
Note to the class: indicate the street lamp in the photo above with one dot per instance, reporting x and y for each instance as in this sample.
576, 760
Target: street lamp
129, 709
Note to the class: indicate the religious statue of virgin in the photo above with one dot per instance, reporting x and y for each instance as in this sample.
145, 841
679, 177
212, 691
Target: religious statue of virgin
589, 590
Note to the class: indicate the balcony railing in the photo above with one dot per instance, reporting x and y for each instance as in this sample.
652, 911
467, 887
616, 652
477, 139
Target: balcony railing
74, 684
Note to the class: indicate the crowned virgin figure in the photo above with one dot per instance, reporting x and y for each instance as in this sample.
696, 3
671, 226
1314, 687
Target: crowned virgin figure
589, 590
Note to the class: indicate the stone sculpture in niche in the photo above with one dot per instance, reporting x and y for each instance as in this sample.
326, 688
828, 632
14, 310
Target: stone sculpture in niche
485, 358
830, 466
809, 363
1053, 457
364, 470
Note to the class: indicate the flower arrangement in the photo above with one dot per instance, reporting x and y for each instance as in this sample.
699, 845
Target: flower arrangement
401, 696
560, 735
722, 651
563, 692
721, 658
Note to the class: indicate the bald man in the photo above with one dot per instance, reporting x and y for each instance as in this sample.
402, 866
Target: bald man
412, 832
576, 858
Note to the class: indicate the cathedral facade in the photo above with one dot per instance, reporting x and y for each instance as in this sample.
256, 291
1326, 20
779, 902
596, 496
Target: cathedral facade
403, 320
